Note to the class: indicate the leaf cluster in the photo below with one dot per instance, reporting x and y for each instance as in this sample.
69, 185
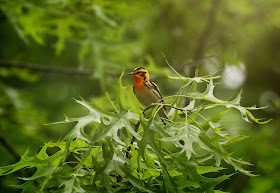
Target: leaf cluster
99, 155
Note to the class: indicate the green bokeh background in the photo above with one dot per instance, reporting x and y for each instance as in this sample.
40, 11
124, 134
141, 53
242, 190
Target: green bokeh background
239, 39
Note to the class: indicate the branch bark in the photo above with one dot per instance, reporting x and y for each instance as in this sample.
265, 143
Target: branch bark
43, 68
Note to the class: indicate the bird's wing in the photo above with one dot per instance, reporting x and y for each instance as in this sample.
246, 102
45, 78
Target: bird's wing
157, 92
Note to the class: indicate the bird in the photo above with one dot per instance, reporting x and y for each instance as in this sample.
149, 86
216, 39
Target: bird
146, 91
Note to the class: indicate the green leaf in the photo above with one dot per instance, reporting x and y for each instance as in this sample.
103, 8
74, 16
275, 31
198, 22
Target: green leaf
189, 135
42, 172
73, 184
207, 169
26, 161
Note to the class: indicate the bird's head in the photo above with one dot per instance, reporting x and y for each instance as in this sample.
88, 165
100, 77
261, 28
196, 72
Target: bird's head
140, 74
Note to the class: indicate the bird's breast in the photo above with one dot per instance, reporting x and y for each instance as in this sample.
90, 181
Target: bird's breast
145, 95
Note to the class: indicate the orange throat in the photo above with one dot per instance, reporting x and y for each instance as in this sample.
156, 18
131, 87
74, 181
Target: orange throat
138, 82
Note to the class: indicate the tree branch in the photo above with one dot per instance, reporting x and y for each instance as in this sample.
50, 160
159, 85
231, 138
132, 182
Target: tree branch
9, 148
43, 68
205, 34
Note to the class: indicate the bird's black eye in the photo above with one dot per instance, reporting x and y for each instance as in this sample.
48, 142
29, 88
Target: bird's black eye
143, 73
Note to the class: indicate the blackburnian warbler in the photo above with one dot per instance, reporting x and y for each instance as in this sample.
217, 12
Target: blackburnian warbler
146, 91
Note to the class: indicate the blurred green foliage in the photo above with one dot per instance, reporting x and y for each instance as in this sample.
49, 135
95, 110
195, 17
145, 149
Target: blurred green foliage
240, 37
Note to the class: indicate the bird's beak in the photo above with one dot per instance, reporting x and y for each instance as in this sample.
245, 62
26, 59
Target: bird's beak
131, 73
